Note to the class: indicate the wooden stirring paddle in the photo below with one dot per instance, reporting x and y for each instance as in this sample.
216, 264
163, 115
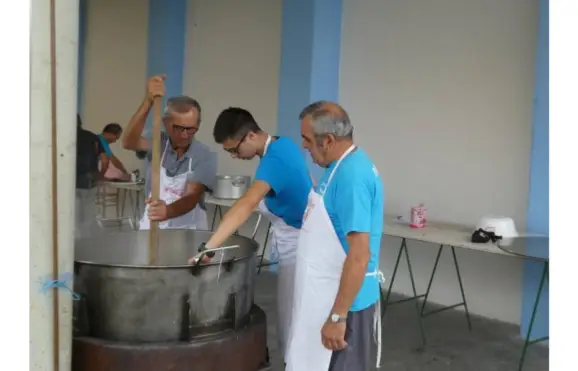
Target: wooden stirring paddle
155, 177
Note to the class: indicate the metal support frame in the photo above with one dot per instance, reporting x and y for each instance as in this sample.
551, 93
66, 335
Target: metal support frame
527, 341
217, 208
134, 203
421, 313
463, 303
120, 198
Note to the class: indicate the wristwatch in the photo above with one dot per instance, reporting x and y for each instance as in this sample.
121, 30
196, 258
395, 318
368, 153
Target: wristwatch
336, 318
203, 247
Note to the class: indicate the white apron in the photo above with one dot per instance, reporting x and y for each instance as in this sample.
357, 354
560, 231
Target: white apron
283, 241
172, 189
320, 259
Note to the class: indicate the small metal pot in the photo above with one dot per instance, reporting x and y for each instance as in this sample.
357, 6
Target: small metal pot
231, 187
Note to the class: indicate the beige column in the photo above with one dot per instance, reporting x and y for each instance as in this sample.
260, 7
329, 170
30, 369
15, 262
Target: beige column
41, 178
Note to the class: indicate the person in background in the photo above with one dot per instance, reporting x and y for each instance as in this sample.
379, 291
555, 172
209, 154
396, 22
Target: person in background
110, 166
280, 189
336, 319
188, 167
88, 151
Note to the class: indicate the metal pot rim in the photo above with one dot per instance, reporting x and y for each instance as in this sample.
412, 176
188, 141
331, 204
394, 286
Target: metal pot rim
183, 266
232, 176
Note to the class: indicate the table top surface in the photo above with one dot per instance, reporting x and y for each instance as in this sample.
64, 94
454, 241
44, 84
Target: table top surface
439, 233
447, 234
210, 199
125, 184
530, 247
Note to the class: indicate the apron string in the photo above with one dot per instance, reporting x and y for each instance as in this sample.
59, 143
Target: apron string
349, 150
267, 142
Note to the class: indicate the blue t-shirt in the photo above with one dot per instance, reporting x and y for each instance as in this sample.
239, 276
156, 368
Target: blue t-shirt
354, 202
284, 168
105, 145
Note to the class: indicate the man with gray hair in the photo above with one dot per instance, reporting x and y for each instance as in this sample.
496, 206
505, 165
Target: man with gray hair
188, 167
336, 319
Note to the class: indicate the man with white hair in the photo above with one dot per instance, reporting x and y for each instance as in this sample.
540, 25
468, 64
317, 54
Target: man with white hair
188, 167
336, 319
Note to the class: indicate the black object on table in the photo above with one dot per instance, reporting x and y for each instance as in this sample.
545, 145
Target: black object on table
535, 248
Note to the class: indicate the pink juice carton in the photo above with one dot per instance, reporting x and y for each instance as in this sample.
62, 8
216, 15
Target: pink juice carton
418, 217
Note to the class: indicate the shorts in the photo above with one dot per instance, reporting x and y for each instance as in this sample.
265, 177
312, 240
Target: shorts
360, 354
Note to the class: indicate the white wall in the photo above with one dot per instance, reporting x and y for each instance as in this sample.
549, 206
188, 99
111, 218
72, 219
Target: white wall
232, 59
115, 66
440, 94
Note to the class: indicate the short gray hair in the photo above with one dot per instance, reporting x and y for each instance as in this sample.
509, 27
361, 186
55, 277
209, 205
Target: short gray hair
181, 104
328, 118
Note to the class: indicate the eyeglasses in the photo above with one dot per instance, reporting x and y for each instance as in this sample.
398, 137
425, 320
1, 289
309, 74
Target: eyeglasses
235, 150
181, 129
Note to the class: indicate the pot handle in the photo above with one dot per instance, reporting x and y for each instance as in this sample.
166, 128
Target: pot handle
233, 297
238, 321
211, 253
238, 182
188, 320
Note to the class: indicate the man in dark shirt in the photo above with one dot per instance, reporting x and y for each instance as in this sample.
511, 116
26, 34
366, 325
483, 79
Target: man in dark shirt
88, 150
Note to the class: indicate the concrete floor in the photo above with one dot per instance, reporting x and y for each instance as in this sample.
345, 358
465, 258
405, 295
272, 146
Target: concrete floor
491, 346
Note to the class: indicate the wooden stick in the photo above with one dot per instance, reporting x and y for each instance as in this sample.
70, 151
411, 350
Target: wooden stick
55, 257
155, 177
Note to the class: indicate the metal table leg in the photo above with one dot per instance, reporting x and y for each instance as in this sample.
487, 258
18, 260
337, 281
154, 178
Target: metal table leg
117, 203
528, 342
123, 204
385, 303
464, 302
136, 211
217, 209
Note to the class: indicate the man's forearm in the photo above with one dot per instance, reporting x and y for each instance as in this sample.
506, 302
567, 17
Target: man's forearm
232, 221
134, 129
352, 278
183, 205
118, 164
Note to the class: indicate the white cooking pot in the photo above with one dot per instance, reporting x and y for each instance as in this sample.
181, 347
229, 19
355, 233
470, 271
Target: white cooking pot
500, 226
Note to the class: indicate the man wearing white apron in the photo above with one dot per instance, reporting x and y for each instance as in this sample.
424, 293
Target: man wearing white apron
188, 167
336, 319
280, 189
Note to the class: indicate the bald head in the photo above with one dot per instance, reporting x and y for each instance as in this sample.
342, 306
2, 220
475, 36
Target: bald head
328, 118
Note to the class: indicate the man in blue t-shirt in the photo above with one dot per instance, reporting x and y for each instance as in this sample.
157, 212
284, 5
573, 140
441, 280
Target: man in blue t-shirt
110, 134
338, 279
280, 190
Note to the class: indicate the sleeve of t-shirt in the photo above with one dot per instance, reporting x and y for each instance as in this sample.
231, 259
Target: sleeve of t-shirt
164, 139
271, 171
99, 146
105, 148
354, 211
205, 171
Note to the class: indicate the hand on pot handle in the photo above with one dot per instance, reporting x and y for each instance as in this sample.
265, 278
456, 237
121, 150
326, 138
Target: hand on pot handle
203, 254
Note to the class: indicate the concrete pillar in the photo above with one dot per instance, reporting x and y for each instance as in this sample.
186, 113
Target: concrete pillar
167, 29
310, 55
41, 184
83, 6
538, 198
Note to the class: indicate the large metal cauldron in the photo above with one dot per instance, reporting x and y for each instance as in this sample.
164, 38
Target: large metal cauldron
125, 299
